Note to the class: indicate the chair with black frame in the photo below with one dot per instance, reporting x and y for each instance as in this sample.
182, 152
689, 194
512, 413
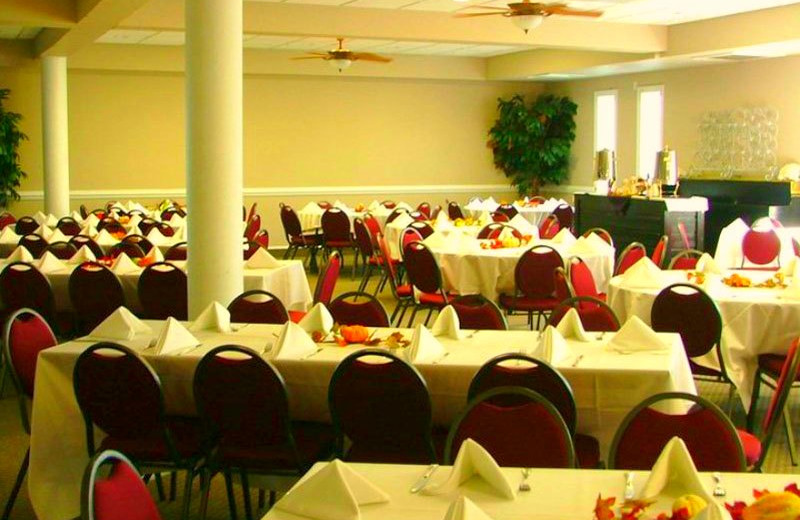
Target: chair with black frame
81, 240
358, 308
359, 395
243, 404
336, 235
454, 210
425, 276
534, 285
119, 393
143, 242
23, 286
403, 293
25, 225
326, 284
366, 248
120, 494
565, 216
685, 260
178, 251
477, 312
7, 219
69, 226
129, 248
508, 210
95, 292
111, 225
163, 292
258, 306
595, 315
634, 252
34, 243
425, 209
295, 237
61, 250
147, 225
582, 279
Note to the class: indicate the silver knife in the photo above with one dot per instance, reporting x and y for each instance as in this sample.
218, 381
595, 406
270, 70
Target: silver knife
424, 479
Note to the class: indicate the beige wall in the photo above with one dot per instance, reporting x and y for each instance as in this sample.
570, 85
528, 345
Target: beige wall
688, 94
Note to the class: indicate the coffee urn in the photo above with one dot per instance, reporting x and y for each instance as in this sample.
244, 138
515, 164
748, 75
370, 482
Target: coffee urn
666, 172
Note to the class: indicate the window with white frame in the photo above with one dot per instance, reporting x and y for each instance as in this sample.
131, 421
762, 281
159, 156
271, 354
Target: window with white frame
649, 128
605, 120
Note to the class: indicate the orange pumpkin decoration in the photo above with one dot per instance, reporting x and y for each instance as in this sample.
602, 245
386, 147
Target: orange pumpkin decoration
354, 333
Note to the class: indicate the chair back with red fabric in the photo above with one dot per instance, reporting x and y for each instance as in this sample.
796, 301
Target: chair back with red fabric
34, 243
685, 260
389, 204
249, 248
26, 225
252, 212
83, 211
68, 226
602, 233
408, 236
358, 308
363, 237
364, 387
23, 286
595, 315
324, 204
291, 223
796, 246
6, 219
425, 209
146, 225
257, 306
328, 276
629, 256
167, 213
387, 264
454, 210
82, 240
549, 227
396, 212
491, 230
689, 311
165, 229
177, 252
582, 279
562, 288
425, 230
252, 227
533, 275
143, 242
708, 433
262, 238
761, 246
422, 269
111, 225
95, 292
417, 216
163, 292
499, 217
129, 248
61, 250
373, 226
565, 215
660, 251
336, 228
120, 494
529, 432
477, 312
508, 210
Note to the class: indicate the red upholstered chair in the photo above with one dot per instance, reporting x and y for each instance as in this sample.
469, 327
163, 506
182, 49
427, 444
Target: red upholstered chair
499, 217
111, 225
252, 213
24, 286
68, 226
366, 248
257, 306
358, 308
403, 293
129, 248
689, 311
396, 212
373, 226
26, 334
326, 283
147, 224
83, 211
761, 247
508, 210
660, 251
119, 393
595, 315
493, 230
336, 234
519, 370
262, 238
389, 204
477, 312
549, 227
244, 407
417, 216
143, 242
252, 227
6, 219
425, 209
177, 252
25, 225
423, 228
527, 432
408, 236
165, 229
364, 387
167, 213
120, 494
61, 250
95, 292
565, 216
602, 233
425, 276
582, 279
81, 240
709, 435
324, 204
249, 248
686, 260
534, 291
563, 289
295, 237
454, 210
629, 256
163, 292
34, 243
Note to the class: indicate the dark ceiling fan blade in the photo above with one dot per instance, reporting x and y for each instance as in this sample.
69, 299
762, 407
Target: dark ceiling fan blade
368, 56
469, 15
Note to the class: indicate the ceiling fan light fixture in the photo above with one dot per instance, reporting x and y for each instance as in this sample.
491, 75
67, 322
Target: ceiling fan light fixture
340, 63
526, 22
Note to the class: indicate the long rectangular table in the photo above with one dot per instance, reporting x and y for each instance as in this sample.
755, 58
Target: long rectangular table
606, 386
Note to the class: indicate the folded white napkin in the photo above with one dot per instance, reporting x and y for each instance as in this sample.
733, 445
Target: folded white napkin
571, 326
88, 230
475, 204
597, 241
335, 492
51, 220
788, 268
490, 202
49, 263
552, 347
174, 338
156, 237
435, 240
644, 274
707, 264
104, 238
20, 254
565, 236
463, 508
292, 343
261, 259
674, 474
124, 265
92, 220
214, 317
442, 221
9, 236
584, 246
402, 220
339, 204
84, 254
636, 336
522, 225
484, 218
121, 324
374, 205
318, 319
424, 347
473, 459
178, 221
133, 223
44, 231
57, 236
447, 324
737, 227
154, 255
76, 216
40, 217
404, 205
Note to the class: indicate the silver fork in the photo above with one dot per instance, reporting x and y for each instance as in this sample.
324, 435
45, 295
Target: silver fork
524, 486
630, 492
719, 491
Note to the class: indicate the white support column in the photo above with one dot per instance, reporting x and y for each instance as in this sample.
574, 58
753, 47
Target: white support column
214, 151
55, 135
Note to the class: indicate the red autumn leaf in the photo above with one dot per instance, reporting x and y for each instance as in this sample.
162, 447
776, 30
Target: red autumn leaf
792, 488
758, 493
736, 509
603, 508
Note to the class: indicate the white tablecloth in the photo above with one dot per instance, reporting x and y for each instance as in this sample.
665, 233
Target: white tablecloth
288, 282
163, 244
606, 386
491, 271
310, 220
754, 321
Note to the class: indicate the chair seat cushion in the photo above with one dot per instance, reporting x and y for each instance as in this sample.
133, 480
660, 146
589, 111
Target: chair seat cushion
338, 243
434, 299
587, 451
522, 303
314, 442
296, 316
305, 240
751, 445
772, 364
186, 434
699, 370
405, 291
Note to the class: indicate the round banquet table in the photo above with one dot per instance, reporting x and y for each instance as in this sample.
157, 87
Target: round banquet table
754, 320
490, 272
311, 220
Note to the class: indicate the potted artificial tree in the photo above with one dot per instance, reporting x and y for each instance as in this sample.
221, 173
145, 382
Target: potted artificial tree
531, 142
10, 137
